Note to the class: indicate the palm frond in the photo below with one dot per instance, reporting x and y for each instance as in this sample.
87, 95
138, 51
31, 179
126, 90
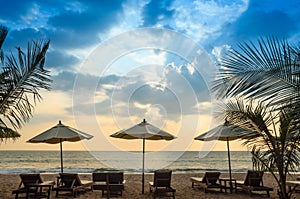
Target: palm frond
23, 77
3, 34
266, 70
8, 133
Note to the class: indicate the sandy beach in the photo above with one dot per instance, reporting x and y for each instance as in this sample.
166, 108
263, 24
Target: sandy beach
181, 182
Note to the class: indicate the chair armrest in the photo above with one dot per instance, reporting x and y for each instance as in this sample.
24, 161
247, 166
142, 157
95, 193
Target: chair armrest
240, 183
196, 179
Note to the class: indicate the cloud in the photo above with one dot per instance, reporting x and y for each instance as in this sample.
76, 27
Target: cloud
218, 52
144, 79
93, 16
145, 99
203, 20
60, 60
261, 18
148, 91
71, 39
80, 25
68, 24
171, 93
63, 81
21, 38
66, 81
156, 11
82, 28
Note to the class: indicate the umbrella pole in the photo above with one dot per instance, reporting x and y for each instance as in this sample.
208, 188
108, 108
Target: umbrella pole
230, 177
143, 175
61, 157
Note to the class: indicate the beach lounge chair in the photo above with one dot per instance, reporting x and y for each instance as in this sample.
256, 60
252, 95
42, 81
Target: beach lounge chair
70, 182
208, 181
33, 186
254, 182
115, 184
162, 183
109, 183
99, 181
294, 185
24, 186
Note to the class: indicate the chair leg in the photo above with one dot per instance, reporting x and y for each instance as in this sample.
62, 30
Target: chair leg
49, 193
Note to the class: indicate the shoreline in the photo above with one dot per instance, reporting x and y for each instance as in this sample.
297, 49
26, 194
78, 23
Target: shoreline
180, 181
102, 161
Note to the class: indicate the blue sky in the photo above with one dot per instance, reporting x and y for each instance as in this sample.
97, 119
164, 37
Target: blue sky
116, 62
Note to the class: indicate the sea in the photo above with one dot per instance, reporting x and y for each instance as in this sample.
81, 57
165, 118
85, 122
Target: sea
130, 162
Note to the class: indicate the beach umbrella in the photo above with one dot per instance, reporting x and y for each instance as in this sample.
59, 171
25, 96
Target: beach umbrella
144, 131
59, 134
226, 132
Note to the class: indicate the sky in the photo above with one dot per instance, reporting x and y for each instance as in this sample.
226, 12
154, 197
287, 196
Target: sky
114, 63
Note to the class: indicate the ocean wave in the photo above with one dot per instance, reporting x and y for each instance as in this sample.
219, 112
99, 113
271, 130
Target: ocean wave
84, 162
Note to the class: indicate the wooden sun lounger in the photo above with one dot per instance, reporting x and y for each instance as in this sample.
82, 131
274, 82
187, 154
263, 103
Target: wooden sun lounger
162, 183
33, 185
99, 180
70, 182
254, 182
293, 186
208, 181
111, 183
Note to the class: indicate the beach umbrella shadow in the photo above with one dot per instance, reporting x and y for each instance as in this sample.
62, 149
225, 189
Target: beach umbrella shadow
59, 134
144, 131
226, 132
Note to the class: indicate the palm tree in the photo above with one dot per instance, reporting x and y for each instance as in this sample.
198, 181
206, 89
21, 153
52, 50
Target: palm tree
266, 74
276, 148
21, 77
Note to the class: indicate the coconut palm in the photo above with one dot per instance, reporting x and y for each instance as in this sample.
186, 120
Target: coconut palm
276, 148
21, 77
265, 73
